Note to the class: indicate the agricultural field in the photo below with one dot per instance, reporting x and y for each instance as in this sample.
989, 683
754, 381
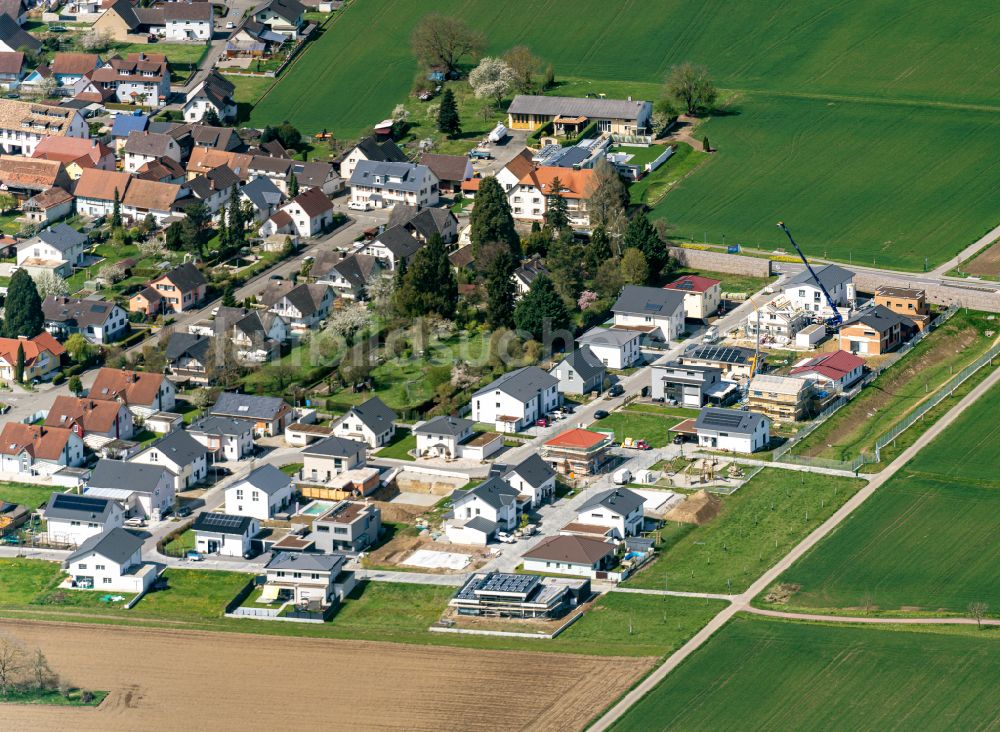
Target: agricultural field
419, 688
758, 674
902, 387
925, 542
757, 525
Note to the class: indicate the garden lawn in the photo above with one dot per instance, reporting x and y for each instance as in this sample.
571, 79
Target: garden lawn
757, 525
33, 496
651, 189
652, 428
21, 580
731, 282
399, 448
761, 674
925, 542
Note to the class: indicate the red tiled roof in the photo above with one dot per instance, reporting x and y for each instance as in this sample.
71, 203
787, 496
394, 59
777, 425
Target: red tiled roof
576, 438
834, 365
42, 443
692, 283
32, 348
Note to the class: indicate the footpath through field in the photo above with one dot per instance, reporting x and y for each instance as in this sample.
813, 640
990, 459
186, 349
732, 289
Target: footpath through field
742, 602
863, 619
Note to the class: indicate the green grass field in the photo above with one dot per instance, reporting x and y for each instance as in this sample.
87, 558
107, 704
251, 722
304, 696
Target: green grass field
758, 524
29, 495
926, 540
653, 428
758, 674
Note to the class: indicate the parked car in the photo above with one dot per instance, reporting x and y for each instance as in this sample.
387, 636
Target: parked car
600, 414
194, 556
678, 439
480, 155
135, 523
230, 25
542, 422
616, 390
183, 512
360, 205
645, 391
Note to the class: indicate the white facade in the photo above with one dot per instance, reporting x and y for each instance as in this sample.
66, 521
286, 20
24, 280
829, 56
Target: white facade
539, 493
307, 224
226, 447
17, 139
614, 354
110, 576
185, 476
741, 442
77, 531
188, 30
243, 499
622, 525
511, 414
226, 545
808, 296
667, 327
471, 506
384, 190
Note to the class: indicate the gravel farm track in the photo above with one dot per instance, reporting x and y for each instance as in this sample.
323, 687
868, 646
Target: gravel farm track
172, 679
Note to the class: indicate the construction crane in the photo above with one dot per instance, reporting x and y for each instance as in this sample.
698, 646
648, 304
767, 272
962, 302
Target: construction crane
837, 318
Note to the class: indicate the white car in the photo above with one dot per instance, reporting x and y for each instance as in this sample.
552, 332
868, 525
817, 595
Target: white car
360, 205
230, 25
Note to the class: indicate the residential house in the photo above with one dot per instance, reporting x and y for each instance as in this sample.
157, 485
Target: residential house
147, 301
277, 169
175, 22
124, 125
48, 206
395, 245
577, 555
517, 399
72, 519
493, 501
618, 116
442, 436
143, 491
16, 9
530, 197
347, 274
201, 136
784, 398
909, 302
263, 494
511, 174
577, 452
616, 349
110, 562
42, 357
151, 198
281, 16
831, 371
450, 170
654, 312
690, 385
804, 294
57, 249
618, 509
311, 212
263, 196
76, 154
383, 185
532, 477
189, 358
11, 68
68, 68
732, 430
24, 124
85, 416
316, 174
736, 362
777, 321
580, 372
495, 594
162, 170
203, 159
329, 457
13, 38
140, 78
371, 422
348, 526
214, 189
181, 454
186, 21
37, 449
144, 147
214, 93
95, 191
702, 295
308, 579
873, 331
23, 177
268, 415
254, 40
225, 439
301, 306
182, 288
224, 534
423, 223
143, 392
525, 275
371, 150
256, 335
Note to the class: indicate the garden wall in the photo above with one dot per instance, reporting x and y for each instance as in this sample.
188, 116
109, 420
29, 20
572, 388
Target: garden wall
721, 262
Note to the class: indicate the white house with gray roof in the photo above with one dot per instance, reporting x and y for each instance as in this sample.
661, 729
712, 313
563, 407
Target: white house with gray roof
732, 429
580, 372
617, 349
111, 562
181, 454
263, 494
268, 415
489, 507
143, 491
72, 519
618, 509
442, 436
372, 423
656, 313
533, 477
56, 249
224, 534
302, 306
329, 457
224, 437
517, 399
305, 578
803, 292
393, 246
383, 185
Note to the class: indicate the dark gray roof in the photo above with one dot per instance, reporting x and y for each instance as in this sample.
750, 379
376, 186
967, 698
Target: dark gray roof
529, 270
287, 9
622, 501
148, 144
522, 384
375, 415
222, 523
879, 317
494, 492
14, 36
186, 276
187, 344
220, 178
267, 163
399, 241
335, 447
721, 354
599, 336
405, 176
534, 470
117, 545
180, 447
424, 221
262, 193
830, 275
69, 506
385, 151
84, 313
481, 523
585, 363
306, 298
716, 419
248, 406
444, 425
268, 478
313, 174
576, 107
652, 301
126, 476
62, 237
214, 425
306, 562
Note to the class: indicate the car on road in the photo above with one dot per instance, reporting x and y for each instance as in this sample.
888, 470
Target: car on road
542, 422
183, 512
360, 205
616, 390
230, 25
601, 414
276, 277
193, 556
221, 470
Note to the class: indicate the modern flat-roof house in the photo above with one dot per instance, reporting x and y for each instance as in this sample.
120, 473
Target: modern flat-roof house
656, 313
305, 578
323, 460
873, 332
732, 429
580, 372
143, 491
100, 417
371, 422
99, 321
348, 526
735, 362
181, 454
517, 399
57, 249
702, 295
143, 392
532, 477
577, 452
784, 398
496, 594
619, 509
111, 562
804, 293
619, 116
262, 495
579, 555
831, 371
909, 302
72, 519
224, 437
383, 185
616, 349
268, 415
480, 512
31, 449
691, 386
224, 534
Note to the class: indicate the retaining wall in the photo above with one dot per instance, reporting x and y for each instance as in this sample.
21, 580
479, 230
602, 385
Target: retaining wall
721, 262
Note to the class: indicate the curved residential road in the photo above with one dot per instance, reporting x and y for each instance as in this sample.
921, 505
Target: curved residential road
863, 619
742, 602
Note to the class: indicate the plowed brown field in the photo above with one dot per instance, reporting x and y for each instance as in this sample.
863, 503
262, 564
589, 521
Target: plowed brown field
176, 680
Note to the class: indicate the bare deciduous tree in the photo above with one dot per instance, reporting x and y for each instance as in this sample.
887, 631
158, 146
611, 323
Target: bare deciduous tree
978, 610
12, 661
439, 40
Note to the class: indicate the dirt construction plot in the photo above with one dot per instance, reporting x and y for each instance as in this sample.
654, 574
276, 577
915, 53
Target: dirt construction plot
162, 680
987, 263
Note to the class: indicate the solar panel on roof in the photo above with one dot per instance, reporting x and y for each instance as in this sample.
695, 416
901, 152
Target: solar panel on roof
654, 306
74, 502
222, 519
722, 419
